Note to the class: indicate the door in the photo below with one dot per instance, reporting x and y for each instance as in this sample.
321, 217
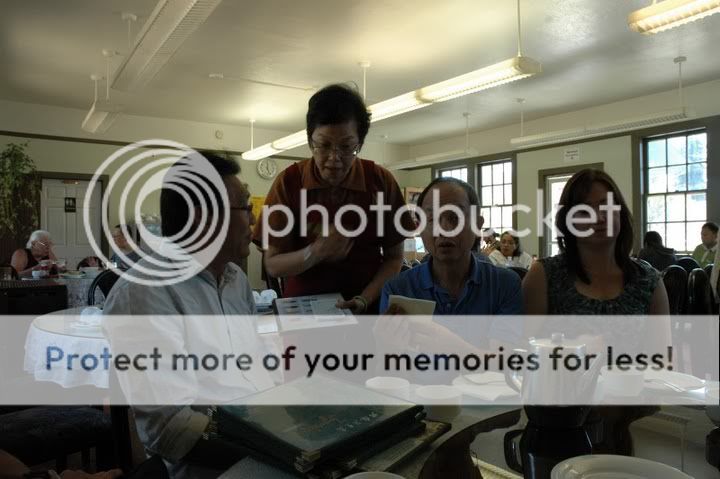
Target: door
61, 213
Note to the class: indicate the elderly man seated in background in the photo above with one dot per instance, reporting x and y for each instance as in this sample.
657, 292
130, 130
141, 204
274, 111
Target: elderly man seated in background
31, 258
124, 255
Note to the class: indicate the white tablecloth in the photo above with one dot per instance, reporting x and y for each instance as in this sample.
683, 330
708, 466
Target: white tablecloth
56, 329
77, 291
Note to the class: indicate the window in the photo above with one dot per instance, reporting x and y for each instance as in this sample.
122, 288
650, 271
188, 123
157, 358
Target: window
676, 188
554, 186
459, 173
496, 194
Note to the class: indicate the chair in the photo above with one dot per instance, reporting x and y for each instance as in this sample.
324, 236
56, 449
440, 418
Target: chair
675, 279
700, 302
40, 434
688, 263
520, 271
105, 281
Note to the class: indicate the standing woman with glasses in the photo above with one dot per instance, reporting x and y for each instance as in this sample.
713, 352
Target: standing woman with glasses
310, 262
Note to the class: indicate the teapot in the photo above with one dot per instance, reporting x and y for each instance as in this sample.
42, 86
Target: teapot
566, 374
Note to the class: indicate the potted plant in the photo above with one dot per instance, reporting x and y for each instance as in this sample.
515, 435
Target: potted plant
19, 192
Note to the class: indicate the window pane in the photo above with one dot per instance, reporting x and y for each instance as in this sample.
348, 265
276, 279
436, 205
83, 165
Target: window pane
697, 176
486, 173
507, 217
660, 228
656, 209
656, 153
508, 194
676, 236
485, 213
697, 147
657, 181
676, 150
498, 194
677, 178
464, 174
693, 235
507, 166
497, 174
675, 207
696, 207
487, 195
496, 214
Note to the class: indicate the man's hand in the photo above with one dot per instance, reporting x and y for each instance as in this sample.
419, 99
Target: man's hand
391, 330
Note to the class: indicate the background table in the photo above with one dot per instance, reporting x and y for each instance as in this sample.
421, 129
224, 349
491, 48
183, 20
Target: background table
56, 329
77, 291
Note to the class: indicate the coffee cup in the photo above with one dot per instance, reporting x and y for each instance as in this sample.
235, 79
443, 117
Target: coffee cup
442, 403
39, 273
392, 386
622, 382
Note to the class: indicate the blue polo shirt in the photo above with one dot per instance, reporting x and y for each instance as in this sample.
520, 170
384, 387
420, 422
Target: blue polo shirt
489, 290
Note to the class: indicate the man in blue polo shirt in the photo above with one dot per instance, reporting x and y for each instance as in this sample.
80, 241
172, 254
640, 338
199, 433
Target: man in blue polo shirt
457, 281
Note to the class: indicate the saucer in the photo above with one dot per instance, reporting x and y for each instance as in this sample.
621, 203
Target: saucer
614, 467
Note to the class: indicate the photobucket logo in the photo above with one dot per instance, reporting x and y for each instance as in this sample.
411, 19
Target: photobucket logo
445, 219
138, 172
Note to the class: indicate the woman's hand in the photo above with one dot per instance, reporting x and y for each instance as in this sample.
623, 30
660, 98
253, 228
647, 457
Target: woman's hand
332, 248
487, 251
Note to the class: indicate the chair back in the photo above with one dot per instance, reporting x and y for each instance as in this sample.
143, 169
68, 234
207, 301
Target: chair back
675, 279
688, 263
700, 297
104, 281
520, 271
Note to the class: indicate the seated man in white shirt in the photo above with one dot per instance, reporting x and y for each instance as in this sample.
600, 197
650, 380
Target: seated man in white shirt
219, 290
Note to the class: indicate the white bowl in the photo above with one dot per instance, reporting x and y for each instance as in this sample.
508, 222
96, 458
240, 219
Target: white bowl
392, 386
39, 274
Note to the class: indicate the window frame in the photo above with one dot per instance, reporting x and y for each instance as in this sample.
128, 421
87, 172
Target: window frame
645, 168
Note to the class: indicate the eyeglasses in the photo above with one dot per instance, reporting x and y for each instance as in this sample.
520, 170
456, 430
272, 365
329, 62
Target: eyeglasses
48, 244
247, 208
341, 151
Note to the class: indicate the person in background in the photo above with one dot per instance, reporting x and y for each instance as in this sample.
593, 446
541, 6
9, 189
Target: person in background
655, 253
455, 279
510, 253
715, 276
312, 263
489, 243
704, 254
121, 243
39, 248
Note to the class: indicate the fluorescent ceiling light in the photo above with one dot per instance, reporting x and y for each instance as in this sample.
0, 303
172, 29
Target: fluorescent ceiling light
101, 116
260, 152
291, 141
169, 25
396, 106
495, 75
601, 129
665, 15
428, 160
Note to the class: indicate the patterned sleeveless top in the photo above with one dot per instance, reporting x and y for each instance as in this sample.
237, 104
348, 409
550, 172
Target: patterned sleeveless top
564, 298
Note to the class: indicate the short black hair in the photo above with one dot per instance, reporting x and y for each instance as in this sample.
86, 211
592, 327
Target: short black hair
711, 226
653, 240
576, 190
472, 195
174, 210
337, 104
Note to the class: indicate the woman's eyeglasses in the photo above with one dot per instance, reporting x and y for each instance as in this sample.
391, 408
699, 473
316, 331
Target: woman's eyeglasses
341, 151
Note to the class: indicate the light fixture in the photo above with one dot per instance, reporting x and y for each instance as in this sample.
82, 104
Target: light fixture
291, 141
507, 71
620, 126
103, 112
169, 25
427, 160
665, 15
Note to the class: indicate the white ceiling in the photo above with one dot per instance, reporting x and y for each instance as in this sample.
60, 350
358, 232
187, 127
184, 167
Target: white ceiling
48, 49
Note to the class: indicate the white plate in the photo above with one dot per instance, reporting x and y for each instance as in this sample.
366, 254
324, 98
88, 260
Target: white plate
489, 390
685, 381
600, 466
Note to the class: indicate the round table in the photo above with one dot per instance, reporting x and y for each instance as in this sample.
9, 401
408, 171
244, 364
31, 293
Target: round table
56, 329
